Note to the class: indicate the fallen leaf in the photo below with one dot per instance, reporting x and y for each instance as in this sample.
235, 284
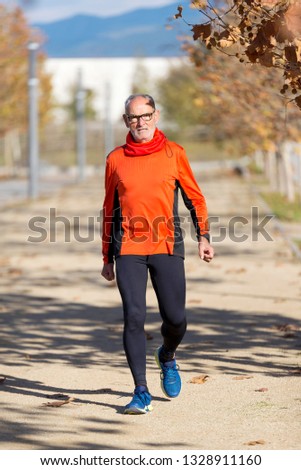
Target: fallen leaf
2, 379
57, 404
289, 335
243, 377
263, 389
194, 301
15, 272
255, 443
200, 379
236, 271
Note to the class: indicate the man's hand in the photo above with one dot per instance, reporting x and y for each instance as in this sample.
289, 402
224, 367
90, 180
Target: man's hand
206, 251
108, 272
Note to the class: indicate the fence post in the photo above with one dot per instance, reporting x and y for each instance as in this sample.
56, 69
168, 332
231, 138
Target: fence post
80, 127
33, 150
108, 137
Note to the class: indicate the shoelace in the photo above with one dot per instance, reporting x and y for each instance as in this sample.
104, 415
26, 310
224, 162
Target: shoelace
170, 372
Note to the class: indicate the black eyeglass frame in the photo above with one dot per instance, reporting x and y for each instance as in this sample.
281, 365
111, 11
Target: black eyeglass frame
134, 118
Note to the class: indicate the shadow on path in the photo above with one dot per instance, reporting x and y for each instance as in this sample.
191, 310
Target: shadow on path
42, 331
48, 331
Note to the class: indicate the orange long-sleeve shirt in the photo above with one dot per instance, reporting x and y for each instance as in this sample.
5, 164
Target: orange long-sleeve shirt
140, 210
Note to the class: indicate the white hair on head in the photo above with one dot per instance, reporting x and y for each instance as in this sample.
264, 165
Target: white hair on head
151, 101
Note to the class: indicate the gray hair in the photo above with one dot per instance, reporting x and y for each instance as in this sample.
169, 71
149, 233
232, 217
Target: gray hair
151, 101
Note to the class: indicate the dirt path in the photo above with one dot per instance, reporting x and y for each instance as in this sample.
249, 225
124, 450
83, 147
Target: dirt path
61, 328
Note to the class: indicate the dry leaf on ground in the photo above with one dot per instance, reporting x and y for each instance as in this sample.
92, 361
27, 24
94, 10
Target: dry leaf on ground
263, 389
57, 404
255, 443
200, 379
243, 377
15, 272
236, 271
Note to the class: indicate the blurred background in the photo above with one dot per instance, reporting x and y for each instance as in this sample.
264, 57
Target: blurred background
66, 70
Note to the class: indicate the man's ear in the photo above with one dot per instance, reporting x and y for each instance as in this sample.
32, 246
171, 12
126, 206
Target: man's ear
157, 115
125, 119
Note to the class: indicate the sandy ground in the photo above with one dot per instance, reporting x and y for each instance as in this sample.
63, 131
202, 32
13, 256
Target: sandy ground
61, 334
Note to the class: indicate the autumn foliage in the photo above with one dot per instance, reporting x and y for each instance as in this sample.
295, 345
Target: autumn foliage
15, 35
264, 32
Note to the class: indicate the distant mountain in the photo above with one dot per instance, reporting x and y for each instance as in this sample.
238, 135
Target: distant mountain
142, 32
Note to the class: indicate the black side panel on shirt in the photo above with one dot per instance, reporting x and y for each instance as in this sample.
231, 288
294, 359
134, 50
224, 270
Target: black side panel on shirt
178, 237
117, 232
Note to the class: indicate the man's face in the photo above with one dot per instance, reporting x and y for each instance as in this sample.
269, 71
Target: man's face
142, 129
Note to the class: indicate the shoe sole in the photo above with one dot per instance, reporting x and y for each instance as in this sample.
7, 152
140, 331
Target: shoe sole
138, 411
161, 380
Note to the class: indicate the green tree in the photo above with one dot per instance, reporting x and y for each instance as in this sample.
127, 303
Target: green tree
70, 106
180, 96
141, 82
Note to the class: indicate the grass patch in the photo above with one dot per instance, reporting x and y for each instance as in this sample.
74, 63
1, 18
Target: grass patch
67, 158
297, 241
200, 150
254, 169
282, 208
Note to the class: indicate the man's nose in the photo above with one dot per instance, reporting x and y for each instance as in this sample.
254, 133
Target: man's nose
140, 120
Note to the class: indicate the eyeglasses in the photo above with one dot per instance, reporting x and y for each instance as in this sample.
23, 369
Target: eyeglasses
133, 118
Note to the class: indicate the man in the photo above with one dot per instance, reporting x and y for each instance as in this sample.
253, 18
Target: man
141, 232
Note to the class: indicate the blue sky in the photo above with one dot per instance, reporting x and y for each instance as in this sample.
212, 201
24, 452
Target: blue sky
50, 10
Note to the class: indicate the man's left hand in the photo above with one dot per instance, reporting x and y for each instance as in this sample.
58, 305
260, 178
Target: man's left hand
206, 251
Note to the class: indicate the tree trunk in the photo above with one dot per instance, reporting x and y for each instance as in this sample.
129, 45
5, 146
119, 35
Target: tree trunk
270, 169
287, 173
259, 160
12, 151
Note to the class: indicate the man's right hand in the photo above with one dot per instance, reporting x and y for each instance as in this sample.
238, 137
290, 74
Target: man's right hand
108, 272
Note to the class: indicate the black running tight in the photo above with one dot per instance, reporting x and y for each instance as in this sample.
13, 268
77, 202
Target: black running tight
168, 279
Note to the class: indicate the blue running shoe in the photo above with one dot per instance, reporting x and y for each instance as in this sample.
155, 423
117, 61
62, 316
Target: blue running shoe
170, 377
140, 403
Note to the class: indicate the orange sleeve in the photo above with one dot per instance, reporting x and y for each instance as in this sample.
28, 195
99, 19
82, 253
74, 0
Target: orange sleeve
193, 197
108, 213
